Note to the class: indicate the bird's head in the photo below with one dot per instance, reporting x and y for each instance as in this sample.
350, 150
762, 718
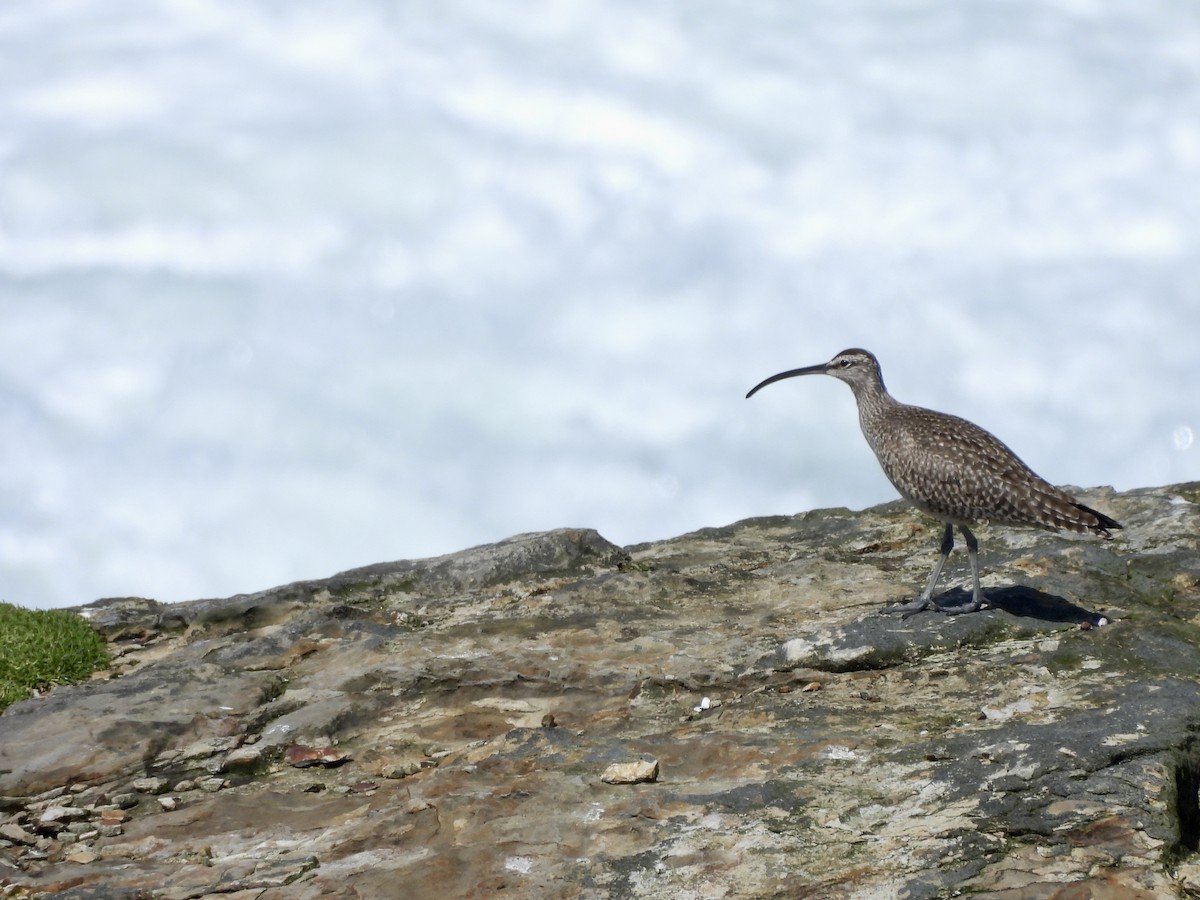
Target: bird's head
858, 368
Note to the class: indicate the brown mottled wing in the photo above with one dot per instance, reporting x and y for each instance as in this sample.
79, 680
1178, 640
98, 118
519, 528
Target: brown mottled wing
953, 469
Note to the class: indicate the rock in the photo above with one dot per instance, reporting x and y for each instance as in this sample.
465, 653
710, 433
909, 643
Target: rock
209, 747
10, 831
300, 756
842, 752
52, 794
60, 815
637, 772
242, 758
400, 770
279, 873
153, 785
570, 552
123, 617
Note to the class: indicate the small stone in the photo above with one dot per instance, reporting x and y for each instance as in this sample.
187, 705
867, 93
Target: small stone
153, 785
548, 721
82, 856
61, 815
209, 747
644, 770
1189, 875
110, 830
400, 770
168, 803
113, 816
212, 784
242, 758
125, 801
188, 784
810, 687
300, 756
11, 831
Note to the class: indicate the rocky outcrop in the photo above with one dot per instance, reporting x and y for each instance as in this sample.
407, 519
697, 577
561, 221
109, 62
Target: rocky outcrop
724, 714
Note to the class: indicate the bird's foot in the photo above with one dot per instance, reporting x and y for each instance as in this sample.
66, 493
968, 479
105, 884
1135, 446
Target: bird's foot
928, 603
912, 607
973, 605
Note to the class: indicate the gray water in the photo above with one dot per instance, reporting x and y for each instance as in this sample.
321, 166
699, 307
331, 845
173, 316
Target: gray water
291, 288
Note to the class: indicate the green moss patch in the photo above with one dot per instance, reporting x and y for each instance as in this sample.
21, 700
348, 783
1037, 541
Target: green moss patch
40, 648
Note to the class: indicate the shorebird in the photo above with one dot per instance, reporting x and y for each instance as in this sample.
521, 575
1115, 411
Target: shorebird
950, 469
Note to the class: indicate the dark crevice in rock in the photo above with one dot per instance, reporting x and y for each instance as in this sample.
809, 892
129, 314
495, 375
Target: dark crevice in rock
1187, 796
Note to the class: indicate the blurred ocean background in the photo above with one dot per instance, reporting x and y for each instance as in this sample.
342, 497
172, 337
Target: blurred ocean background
288, 288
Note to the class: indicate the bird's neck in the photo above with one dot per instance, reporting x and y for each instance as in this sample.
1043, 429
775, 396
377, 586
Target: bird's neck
874, 402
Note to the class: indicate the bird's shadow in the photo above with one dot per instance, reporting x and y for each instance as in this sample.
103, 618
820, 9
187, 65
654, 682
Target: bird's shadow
1019, 600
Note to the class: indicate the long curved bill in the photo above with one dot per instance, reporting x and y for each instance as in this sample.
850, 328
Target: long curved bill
790, 373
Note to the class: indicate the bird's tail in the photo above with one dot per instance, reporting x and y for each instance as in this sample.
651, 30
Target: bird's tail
1102, 523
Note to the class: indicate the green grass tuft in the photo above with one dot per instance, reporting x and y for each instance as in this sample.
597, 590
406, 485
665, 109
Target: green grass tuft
44, 647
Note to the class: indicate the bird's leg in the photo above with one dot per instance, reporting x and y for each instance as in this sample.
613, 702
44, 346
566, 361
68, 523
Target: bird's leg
925, 601
977, 600
947, 546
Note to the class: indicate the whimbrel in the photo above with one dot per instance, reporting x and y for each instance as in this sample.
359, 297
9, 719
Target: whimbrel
950, 469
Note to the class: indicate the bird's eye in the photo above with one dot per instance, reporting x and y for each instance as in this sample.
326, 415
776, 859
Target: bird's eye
845, 363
